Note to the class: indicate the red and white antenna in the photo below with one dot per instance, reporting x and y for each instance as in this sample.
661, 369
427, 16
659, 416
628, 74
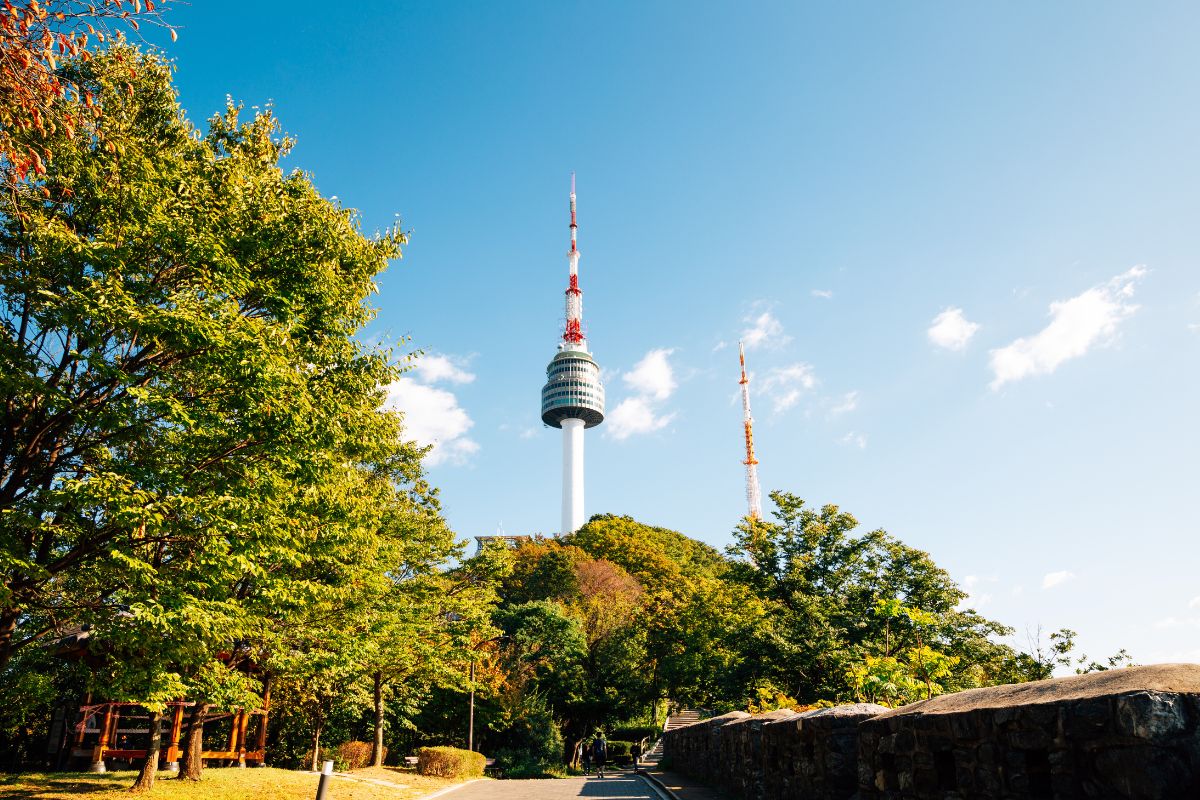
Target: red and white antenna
753, 493
573, 333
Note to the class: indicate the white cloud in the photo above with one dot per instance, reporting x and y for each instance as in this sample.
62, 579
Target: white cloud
855, 439
848, 403
784, 385
635, 415
433, 368
528, 433
824, 294
951, 329
1195, 603
764, 330
719, 346
433, 416
1176, 622
1078, 324
652, 376
975, 598
1053, 579
651, 381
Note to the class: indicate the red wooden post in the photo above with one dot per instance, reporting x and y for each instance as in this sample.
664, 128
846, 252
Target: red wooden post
261, 744
244, 720
106, 729
176, 732
234, 724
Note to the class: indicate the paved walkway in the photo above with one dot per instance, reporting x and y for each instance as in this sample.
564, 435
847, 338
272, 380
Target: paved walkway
682, 786
617, 786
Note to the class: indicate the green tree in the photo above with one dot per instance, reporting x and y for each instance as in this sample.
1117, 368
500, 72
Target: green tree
182, 393
835, 599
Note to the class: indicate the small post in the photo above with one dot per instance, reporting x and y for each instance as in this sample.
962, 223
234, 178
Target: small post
471, 713
323, 784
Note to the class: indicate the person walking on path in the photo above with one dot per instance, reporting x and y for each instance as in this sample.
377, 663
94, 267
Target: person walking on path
599, 753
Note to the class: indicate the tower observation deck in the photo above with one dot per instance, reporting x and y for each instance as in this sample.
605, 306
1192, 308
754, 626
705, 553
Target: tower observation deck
573, 397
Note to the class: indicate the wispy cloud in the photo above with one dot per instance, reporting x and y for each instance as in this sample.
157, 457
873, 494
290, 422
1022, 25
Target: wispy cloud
952, 330
1195, 603
972, 585
1177, 622
847, 403
1053, 579
784, 386
431, 368
855, 439
651, 381
824, 294
1076, 326
764, 331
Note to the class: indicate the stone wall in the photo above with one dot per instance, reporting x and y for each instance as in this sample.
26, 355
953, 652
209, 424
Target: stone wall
1131, 733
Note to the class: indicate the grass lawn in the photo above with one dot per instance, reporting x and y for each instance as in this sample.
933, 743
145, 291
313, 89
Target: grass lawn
222, 784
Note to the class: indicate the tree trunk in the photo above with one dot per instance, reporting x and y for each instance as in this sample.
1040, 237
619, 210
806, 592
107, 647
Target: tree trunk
193, 760
377, 747
316, 761
8, 634
145, 779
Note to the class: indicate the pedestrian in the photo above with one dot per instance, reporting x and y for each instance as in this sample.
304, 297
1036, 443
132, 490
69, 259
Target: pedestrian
587, 757
636, 753
599, 753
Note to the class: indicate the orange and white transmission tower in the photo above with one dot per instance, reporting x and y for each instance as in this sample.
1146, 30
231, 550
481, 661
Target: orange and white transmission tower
753, 493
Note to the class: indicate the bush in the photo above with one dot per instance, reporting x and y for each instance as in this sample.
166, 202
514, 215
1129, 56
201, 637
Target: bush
450, 762
636, 734
323, 755
355, 755
616, 747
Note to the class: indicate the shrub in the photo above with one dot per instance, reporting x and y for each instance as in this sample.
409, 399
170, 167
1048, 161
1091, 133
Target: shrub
326, 754
616, 747
636, 733
355, 755
450, 762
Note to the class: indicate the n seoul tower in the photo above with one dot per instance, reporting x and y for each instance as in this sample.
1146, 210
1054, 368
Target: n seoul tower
573, 397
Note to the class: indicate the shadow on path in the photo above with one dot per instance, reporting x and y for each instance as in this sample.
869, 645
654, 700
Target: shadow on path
618, 786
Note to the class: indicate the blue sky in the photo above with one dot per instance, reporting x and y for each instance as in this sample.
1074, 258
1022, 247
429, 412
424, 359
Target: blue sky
961, 238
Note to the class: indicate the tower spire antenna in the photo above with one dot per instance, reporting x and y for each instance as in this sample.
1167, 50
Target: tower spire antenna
753, 493
573, 331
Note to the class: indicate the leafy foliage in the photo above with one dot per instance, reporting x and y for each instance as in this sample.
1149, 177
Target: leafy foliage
39, 98
450, 762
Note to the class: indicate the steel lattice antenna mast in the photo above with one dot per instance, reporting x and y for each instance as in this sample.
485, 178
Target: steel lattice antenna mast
573, 396
753, 493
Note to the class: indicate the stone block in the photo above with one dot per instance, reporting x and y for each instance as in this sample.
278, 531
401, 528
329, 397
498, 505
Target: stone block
1145, 773
1151, 715
1089, 718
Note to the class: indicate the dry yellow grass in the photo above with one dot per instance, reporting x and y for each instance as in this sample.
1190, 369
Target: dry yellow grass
221, 784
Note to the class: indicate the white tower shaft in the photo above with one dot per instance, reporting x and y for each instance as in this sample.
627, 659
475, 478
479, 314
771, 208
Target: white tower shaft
572, 499
753, 493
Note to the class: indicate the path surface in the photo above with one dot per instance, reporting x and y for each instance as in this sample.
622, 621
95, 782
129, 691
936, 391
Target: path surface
617, 786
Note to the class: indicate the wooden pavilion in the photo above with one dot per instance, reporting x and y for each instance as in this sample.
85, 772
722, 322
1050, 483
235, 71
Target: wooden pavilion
90, 733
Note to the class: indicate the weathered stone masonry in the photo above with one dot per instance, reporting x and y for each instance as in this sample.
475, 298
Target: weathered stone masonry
1131, 733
